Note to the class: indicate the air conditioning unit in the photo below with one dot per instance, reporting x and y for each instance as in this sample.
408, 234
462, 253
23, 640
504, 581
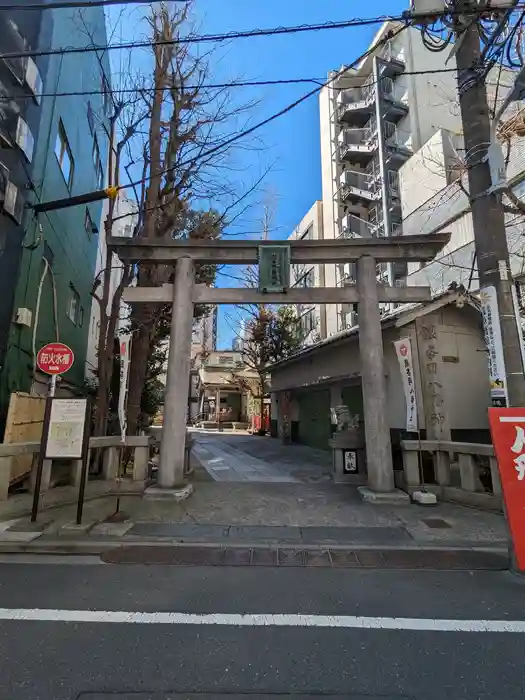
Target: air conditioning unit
23, 317
13, 203
4, 180
33, 79
25, 139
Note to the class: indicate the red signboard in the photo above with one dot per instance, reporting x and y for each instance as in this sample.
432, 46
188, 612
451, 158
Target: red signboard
55, 358
507, 426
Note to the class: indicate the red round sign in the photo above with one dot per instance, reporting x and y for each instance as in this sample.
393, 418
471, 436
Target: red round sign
55, 358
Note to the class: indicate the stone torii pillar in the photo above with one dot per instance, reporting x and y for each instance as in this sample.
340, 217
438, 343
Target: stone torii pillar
173, 444
377, 428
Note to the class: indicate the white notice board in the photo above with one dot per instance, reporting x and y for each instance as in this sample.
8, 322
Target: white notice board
65, 434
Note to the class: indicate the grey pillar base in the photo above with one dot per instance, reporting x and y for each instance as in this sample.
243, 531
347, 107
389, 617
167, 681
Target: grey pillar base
157, 493
393, 498
73, 529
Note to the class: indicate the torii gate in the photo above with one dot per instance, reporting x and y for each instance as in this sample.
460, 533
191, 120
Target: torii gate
184, 293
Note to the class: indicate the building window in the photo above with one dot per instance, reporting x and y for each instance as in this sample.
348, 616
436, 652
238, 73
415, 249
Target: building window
100, 177
97, 162
73, 310
308, 234
91, 119
89, 225
96, 153
106, 92
24, 139
64, 155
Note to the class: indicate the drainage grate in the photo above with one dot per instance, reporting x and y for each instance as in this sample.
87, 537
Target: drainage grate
436, 523
304, 557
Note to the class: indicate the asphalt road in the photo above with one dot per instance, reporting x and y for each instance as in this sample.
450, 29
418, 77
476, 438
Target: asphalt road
162, 657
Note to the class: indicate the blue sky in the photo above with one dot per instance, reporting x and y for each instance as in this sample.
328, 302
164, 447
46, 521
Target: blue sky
291, 143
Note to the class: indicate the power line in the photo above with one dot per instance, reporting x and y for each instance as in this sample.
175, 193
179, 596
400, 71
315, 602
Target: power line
73, 4
210, 86
405, 17
276, 115
205, 38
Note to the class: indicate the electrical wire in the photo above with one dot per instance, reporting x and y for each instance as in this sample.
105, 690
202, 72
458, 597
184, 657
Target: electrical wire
206, 38
210, 86
276, 115
74, 4
405, 18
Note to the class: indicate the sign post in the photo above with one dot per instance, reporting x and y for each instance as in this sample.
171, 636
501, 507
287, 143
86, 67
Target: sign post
494, 343
507, 426
52, 359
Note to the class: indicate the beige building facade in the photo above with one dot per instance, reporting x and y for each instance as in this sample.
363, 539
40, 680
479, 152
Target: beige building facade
451, 404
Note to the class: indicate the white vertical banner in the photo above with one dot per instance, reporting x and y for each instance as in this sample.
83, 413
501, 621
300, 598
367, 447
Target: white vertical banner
403, 349
518, 323
494, 343
125, 350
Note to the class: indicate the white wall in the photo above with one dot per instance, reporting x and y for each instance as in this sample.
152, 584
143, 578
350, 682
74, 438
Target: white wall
312, 223
424, 174
122, 227
433, 96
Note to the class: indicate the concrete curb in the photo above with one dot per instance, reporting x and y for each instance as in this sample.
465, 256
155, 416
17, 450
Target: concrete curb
82, 547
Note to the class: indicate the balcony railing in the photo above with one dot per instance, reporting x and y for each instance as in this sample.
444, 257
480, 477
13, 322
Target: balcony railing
353, 137
397, 138
392, 54
355, 178
392, 90
345, 274
396, 229
355, 99
352, 227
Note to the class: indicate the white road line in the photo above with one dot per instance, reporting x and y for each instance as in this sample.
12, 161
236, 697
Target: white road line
262, 620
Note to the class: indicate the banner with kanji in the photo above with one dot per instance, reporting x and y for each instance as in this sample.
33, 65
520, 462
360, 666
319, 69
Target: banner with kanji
507, 426
404, 355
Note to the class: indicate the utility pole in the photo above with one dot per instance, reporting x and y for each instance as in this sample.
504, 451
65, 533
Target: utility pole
487, 212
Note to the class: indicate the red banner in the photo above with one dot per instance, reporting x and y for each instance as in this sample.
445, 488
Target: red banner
507, 426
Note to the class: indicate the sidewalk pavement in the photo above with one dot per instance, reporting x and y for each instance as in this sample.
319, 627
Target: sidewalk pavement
260, 494
229, 515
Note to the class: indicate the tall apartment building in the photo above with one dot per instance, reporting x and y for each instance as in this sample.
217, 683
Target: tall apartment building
51, 147
372, 119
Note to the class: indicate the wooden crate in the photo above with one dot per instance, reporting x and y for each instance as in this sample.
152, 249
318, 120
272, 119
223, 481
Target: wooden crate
25, 420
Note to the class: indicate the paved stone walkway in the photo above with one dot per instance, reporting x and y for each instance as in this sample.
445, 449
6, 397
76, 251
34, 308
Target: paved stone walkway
240, 457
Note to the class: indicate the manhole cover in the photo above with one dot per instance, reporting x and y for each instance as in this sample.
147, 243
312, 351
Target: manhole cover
436, 523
